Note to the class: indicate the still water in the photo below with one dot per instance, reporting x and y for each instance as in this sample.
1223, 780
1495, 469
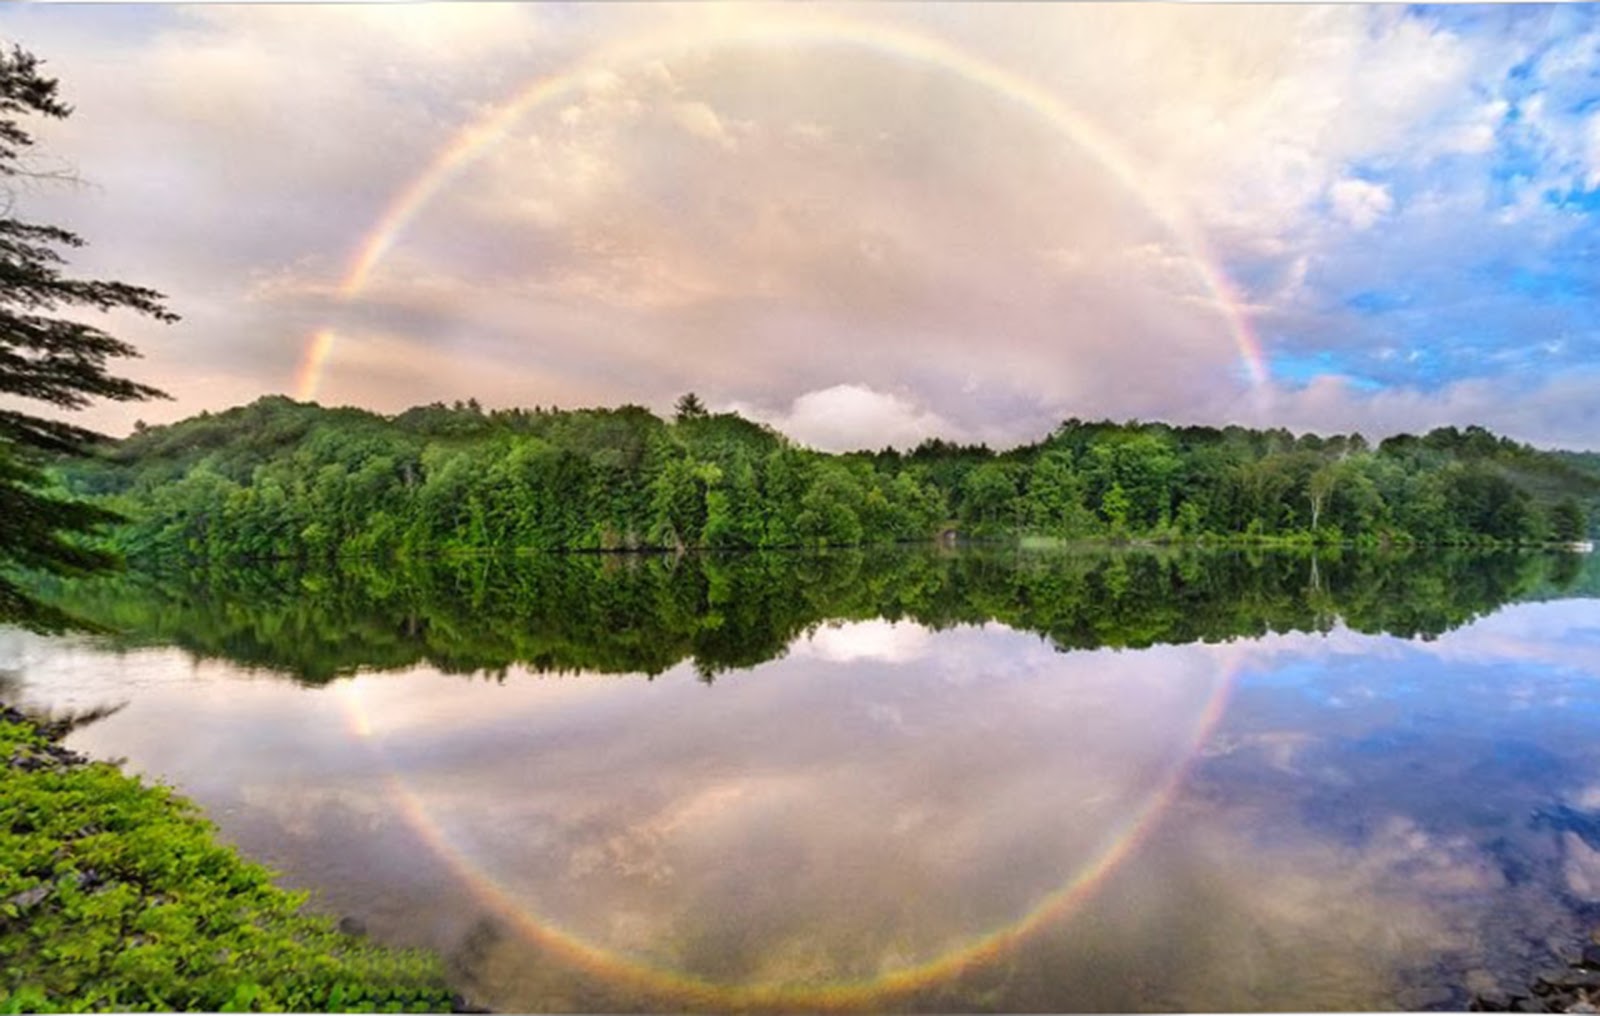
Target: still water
919, 781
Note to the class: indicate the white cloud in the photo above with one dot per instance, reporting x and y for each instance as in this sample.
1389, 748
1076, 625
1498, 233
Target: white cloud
889, 247
1562, 412
1475, 132
702, 121
1360, 202
847, 417
1591, 178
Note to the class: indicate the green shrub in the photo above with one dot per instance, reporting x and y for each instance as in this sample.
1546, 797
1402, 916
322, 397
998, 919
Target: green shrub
115, 895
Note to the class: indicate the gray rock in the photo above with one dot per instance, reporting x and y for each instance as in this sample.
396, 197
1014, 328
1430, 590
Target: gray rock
1425, 997
30, 898
1570, 979
1481, 982
353, 926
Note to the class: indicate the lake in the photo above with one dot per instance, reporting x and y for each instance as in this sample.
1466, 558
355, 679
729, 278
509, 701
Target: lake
961, 780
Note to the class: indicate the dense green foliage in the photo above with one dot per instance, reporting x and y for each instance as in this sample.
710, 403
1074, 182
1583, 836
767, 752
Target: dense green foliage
116, 896
647, 613
287, 480
48, 358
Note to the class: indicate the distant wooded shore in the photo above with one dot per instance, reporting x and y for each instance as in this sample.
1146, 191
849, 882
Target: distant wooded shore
280, 479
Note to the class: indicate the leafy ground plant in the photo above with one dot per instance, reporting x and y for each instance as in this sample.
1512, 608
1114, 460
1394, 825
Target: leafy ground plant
115, 895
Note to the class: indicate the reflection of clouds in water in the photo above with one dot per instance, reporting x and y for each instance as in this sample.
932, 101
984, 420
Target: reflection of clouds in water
1563, 633
836, 813
1581, 867
638, 851
1270, 650
427, 699
1280, 749
1223, 911
886, 641
1402, 855
1428, 787
1258, 908
860, 806
1322, 695
71, 672
296, 807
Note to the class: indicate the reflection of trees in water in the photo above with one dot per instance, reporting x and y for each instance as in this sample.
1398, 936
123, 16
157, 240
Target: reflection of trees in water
63, 722
645, 614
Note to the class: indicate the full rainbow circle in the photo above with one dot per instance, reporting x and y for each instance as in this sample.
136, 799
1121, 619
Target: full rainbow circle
816, 29
698, 993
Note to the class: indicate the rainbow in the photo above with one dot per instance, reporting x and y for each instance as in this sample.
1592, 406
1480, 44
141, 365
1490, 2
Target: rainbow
811, 28
806, 27
309, 374
693, 992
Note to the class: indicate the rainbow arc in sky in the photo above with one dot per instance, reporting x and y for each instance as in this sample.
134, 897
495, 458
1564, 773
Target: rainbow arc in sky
819, 30
797, 29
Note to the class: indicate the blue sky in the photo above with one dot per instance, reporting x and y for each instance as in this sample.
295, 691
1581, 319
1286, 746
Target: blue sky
1521, 290
864, 224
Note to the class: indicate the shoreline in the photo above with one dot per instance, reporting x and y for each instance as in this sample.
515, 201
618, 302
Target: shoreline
1021, 540
1574, 988
117, 895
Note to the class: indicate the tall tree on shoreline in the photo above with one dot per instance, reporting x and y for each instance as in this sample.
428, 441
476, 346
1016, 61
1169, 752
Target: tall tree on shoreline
46, 357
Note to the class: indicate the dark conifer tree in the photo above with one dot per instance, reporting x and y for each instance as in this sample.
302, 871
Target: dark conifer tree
689, 407
48, 357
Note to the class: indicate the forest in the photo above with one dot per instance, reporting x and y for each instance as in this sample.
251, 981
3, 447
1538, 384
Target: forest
285, 480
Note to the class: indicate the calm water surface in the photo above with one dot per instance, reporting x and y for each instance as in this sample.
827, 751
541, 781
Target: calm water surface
959, 782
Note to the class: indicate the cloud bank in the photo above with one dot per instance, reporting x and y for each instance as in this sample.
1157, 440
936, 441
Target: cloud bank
847, 237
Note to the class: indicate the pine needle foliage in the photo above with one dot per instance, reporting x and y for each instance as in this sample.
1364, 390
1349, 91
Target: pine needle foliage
49, 356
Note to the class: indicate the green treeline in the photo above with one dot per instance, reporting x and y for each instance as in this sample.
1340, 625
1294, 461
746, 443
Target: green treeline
647, 613
281, 479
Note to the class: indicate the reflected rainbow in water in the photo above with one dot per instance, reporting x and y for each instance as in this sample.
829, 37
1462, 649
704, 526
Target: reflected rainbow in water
662, 983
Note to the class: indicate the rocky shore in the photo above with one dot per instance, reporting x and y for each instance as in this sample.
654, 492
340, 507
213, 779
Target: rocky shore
1574, 988
49, 755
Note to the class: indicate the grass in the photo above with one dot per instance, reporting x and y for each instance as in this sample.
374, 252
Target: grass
116, 895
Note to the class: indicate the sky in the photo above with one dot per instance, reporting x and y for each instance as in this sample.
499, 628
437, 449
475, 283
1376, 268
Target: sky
863, 224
